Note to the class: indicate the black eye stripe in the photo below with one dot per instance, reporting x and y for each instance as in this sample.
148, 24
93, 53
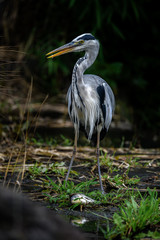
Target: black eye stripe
86, 37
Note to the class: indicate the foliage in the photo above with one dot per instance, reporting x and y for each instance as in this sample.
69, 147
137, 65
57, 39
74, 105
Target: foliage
134, 218
65, 141
40, 141
121, 180
39, 169
60, 193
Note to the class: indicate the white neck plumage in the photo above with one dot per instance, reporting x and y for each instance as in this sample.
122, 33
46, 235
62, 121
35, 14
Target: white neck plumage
85, 62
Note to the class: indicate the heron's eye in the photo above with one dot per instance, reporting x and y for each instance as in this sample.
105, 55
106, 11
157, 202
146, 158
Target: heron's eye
81, 41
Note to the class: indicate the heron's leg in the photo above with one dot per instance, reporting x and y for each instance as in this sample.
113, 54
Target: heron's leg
73, 156
99, 170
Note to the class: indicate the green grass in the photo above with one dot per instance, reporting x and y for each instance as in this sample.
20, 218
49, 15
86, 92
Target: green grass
107, 162
121, 181
135, 217
40, 141
40, 169
37, 170
65, 141
49, 141
59, 193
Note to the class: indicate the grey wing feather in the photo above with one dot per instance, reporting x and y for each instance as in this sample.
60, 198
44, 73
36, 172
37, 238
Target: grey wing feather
111, 96
69, 100
109, 103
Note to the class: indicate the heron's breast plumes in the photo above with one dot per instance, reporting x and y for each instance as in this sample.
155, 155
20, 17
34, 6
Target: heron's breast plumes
84, 109
92, 113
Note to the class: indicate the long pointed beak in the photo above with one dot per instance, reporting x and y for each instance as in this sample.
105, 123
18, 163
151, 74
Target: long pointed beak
69, 47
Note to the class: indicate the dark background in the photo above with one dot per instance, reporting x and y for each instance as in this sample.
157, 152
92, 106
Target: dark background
129, 58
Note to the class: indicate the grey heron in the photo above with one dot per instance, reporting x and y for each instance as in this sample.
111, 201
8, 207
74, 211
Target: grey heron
91, 102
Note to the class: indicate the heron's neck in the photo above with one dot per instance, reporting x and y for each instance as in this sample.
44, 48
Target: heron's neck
83, 63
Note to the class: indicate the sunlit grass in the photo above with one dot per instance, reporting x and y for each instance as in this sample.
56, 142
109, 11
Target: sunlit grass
134, 216
40, 169
60, 192
121, 181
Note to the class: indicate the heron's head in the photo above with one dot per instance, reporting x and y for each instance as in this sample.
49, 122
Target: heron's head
78, 44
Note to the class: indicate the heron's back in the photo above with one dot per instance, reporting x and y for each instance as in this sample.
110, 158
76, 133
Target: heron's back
98, 81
